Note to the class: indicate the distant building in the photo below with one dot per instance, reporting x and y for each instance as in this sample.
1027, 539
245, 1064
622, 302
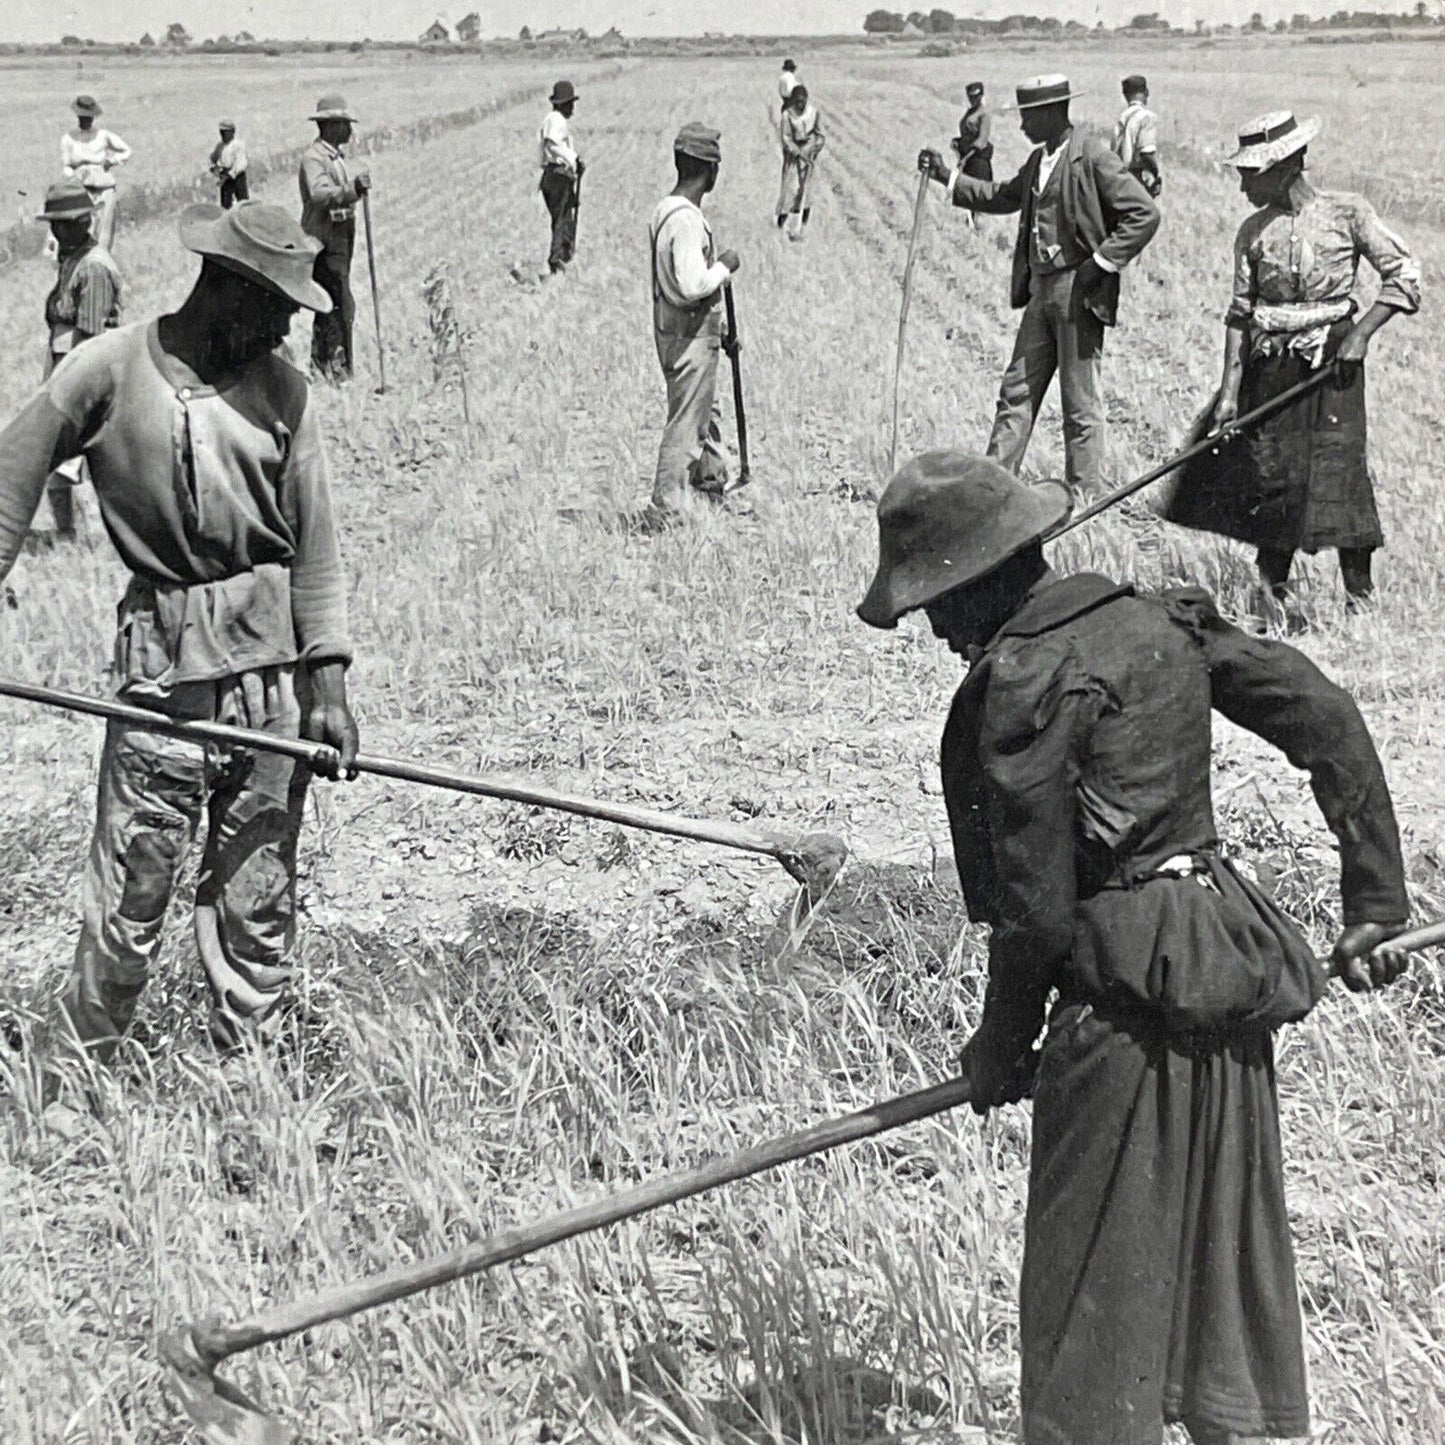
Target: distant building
148, 40
435, 34
562, 37
469, 28
911, 32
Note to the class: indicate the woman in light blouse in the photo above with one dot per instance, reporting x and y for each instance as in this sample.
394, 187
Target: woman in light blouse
89, 154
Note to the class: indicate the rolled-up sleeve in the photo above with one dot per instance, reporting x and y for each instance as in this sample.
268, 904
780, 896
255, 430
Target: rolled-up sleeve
1388, 254
1243, 291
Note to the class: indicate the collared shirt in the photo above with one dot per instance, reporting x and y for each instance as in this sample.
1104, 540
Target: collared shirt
1077, 752
328, 194
685, 268
801, 132
1045, 249
229, 157
1136, 133
1295, 267
90, 160
85, 299
555, 144
210, 496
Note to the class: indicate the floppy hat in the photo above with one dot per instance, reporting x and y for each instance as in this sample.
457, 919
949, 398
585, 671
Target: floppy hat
948, 519
332, 107
1268, 139
86, 105
66, 201
260, 242
1042, 90
699, 141
562, 92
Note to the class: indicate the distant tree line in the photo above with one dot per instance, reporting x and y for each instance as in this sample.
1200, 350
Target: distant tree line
945, 22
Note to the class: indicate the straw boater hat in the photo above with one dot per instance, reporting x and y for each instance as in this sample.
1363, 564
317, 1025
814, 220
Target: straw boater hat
260, 242
1268, 139
699, 141
86, 105
948, 519
562, 92
67, 201
1042, 90
332, 107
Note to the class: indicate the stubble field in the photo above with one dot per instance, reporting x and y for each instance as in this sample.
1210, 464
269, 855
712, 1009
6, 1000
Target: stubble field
501, 1011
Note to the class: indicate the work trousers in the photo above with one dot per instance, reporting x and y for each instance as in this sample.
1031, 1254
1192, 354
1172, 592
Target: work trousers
331, 353
692, 451
559, 191
1158, 1275
233, 189
153, 793
1057, 333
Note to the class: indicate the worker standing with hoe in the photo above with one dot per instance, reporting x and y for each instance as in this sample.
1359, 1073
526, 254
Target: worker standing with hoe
330, 192
1158, 1275
206, 455
228, 165
800, 130
688, 277
562, 170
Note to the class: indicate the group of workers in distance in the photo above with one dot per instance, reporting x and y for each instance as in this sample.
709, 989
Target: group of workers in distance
1158, 1279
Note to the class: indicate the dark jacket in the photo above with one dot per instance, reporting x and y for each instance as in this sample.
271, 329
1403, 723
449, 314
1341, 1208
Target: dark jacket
1104, 209
1076, 762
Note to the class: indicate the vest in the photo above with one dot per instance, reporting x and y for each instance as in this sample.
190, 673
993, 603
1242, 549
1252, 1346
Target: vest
1045, 245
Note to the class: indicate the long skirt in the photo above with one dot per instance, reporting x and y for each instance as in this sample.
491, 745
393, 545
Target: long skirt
1158, 1276
1297, 481
979, 166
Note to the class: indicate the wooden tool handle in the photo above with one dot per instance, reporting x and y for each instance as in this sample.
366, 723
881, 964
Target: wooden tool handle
919, 204
735, 361
215, 1342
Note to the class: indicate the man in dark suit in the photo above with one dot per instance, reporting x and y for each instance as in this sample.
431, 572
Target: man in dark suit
1082, 219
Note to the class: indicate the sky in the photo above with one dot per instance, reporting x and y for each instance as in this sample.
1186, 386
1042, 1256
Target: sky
41, 20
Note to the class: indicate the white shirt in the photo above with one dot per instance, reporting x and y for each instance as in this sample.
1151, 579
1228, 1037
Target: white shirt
786, 81
556, 143
683, 249
1137, 132
1048, 163
89, 161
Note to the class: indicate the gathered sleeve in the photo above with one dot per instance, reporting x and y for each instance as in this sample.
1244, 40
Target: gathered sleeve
117, 151
1388, 254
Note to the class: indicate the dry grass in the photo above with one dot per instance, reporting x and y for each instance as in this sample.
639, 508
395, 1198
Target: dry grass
501, 1013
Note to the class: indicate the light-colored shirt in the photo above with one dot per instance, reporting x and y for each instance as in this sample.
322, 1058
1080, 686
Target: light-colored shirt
86, 298
683, 253
801, 132
89, 160
1294, 270
229, 158
555, 148
1137, 132
786, 81
217, 501
328, 195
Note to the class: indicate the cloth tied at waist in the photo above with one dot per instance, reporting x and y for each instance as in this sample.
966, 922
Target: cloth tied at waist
1198, 942
170, 633
1298, 327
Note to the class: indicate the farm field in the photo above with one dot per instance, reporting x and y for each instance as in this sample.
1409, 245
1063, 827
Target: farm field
501, 1012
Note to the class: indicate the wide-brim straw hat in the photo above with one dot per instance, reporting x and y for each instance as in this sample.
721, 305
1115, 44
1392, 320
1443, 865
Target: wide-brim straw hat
332, 107
66, 201
1268, 139
562, 92
1042, 90
948, 519
86, 105
261, 242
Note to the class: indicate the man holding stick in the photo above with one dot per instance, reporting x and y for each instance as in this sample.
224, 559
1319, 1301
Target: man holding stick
800, 130
228, 165
1158, 1277
562, 170
205, 451
688, 276
1082, 219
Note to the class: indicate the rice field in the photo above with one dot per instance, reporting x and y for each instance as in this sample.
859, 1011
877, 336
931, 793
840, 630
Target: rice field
501, 1012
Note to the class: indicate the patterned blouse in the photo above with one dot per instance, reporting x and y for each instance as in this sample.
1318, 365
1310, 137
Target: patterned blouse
1294, 271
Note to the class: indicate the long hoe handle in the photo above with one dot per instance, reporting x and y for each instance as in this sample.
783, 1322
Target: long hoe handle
215, 1342
919, 210
734, 358
375, 292
324, 759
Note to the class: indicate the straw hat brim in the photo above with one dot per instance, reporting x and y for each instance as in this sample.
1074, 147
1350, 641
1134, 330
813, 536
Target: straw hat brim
71, 213
1053, 100
204, 229
89, 110
1270, 153
332, 115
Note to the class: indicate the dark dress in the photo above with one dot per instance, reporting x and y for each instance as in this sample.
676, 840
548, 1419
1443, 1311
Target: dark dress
1158, 1277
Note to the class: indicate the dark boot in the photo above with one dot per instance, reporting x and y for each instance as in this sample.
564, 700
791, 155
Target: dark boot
1355, 574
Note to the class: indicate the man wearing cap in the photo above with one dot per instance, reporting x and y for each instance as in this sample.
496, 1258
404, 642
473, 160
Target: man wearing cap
1158, 1278
974, 142
1082, 219
688, 275
1136, 136
1300, 479
787, 80
228, 165
90, 154
84, 302
801, 132
562, 170
205, 450
330, 191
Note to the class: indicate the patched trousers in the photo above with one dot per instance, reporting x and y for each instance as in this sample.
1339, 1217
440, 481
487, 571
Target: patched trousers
1057, 333
154, 794
692, 451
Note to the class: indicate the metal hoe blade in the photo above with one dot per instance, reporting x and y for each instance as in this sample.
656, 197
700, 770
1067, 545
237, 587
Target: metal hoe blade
222, 1413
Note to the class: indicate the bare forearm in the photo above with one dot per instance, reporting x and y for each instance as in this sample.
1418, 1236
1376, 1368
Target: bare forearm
1235, 335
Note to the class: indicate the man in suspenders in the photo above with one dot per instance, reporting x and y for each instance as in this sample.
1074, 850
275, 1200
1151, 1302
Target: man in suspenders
688, 275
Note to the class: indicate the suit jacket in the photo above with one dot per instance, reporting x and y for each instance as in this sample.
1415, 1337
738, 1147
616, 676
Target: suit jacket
1104, 210
328, 197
